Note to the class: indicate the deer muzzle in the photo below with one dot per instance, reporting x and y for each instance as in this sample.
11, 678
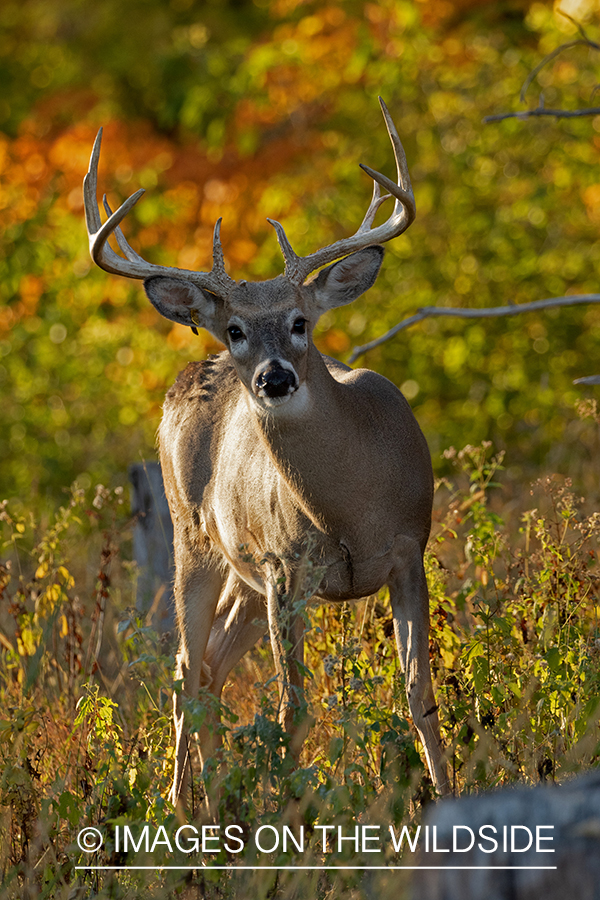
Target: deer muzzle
275, 380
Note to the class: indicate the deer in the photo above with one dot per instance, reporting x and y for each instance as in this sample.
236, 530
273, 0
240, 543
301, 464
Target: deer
271, 441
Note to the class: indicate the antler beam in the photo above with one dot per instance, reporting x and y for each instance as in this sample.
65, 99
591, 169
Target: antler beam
132, 265
298, 268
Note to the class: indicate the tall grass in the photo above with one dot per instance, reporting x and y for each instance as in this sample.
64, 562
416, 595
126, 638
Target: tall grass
85, 690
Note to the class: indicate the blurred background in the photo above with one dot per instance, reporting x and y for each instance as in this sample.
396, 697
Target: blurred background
252, 108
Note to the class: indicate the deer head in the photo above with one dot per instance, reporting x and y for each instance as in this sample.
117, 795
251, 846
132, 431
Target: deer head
267, 326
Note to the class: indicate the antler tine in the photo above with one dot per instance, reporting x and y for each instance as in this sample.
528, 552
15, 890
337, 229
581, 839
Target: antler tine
90, 189
403, 192
218, 273
298, 268
218, 259
133, 265
124, 246
293, 262
98, 234
376, 201
105, 257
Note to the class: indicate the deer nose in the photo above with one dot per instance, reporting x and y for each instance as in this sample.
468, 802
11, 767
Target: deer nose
275, 381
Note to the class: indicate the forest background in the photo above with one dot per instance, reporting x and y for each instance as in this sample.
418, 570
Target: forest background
246, 110
256, 109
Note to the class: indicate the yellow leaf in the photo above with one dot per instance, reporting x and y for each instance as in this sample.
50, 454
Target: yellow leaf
27, 643
53, 592
448, 658
41, 570
66, 576
20, 527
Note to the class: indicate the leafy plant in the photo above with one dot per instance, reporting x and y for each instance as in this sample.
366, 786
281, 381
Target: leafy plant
518, 633
85, 740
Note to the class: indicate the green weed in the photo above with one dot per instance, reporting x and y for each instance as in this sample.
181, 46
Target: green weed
85, 723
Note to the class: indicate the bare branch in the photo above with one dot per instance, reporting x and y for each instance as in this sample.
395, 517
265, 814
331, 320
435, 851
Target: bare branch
542, 111
577, 25
586, 42
589, 379
427, 312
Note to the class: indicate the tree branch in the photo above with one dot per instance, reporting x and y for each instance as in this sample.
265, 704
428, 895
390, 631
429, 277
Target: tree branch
542, 111
586, 42
427, 312
589, 379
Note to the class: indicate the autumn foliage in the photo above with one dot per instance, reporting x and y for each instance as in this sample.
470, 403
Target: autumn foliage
254, 110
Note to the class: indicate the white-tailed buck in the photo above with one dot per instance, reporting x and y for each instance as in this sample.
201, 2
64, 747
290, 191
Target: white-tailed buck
270, 442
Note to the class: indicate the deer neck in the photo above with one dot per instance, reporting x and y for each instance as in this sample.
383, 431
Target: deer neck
314, 403
305, 440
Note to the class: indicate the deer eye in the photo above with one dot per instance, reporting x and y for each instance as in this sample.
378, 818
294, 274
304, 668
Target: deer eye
235, 333
299, 326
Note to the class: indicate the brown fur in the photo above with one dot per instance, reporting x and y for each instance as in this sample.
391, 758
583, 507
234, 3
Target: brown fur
341, 458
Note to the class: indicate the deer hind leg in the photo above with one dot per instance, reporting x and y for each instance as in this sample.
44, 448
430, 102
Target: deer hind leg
410, 606
198, 584
240, 622
286, 630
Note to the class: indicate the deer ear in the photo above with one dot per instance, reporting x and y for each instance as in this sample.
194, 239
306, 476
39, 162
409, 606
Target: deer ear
182, 301
347, 279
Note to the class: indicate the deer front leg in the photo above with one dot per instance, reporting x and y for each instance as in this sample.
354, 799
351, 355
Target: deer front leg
410, 606
286, 630
236, 628
197, 588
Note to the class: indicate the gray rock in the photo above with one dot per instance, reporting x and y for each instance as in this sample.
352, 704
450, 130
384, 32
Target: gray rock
520, 820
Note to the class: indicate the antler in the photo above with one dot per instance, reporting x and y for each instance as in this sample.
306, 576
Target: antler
298, 268
217, 281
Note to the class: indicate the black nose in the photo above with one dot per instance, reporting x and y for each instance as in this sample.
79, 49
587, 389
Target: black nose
275, 381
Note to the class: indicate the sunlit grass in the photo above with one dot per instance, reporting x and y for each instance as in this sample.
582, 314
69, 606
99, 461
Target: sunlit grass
86, 739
